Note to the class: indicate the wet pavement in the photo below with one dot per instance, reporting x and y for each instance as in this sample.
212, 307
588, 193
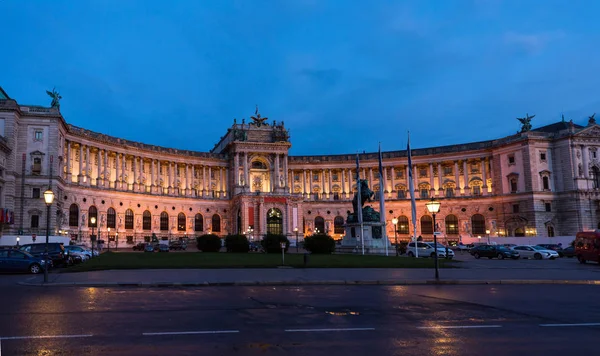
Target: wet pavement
309, 320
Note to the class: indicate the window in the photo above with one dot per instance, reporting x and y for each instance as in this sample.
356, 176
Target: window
448, 170
401, 194
424, 193
511, 160
92, 213
129, 219
543, 156
399, 173
336, 196
164, 221
319, 225
426, 225
73, 215
449, 192
316, 196
478, 224
296, 177
274, 221
403, 226
35, 221
315, 177
451, 225
198, 223
181, 222
338, 225
476, 190
550, 231
147, 220
111, 218
216, 223
35, 193
474, 167
515, 208
595, 177
548, 206
422, 172
335, 177
513, 185
129, 239
38, 135
546, 183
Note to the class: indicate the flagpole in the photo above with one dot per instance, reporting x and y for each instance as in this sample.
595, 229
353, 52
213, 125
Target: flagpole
413, 203
359, 206
382, 203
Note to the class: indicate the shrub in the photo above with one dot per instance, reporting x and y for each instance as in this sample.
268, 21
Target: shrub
402, 246
208, 243
319, 244
237, 243
272, 243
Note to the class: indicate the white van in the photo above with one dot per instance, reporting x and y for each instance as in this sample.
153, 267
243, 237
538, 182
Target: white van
426, 249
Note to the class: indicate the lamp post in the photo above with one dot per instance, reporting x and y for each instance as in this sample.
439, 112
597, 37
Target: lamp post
282, 244
49, 199
487, 232
116, 241
18, 239
433, 206
108, 239
93, 237
395, 222
296, 231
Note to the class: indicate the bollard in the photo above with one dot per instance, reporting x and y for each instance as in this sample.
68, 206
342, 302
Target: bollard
305, 259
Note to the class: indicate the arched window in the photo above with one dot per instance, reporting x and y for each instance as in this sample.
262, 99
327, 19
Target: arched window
338, 225
216, 223
426, 225
198, 223
403, 227
478, 224
74, 215
319, 225
181, 222
111, 218
129, 219
164, 221
92, 213
451, 225
274, 221
147, 220
596, 177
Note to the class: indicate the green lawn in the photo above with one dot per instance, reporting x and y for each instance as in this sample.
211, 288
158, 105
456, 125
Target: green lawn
140, 260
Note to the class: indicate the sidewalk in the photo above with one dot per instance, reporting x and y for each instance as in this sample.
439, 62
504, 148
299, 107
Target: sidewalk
313, 276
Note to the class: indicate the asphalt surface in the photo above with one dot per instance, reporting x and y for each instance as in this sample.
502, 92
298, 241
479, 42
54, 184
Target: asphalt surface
312, 320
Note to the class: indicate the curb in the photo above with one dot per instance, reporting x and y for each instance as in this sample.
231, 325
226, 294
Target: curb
315, 283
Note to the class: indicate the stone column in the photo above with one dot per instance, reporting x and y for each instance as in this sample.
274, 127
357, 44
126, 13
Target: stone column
440, 179
134, 169
125, 173
586, 161
392, 183
431, 180
193, 179
467, 189
491, 170
236, 169
152, 176
209, 186
107, 172
456, 179
80, 175
159, 177
484, 189
246, 183
99, 180
88, 166
69, 163
277, 180
204, 181
343, 184
330, 184
286, 172
304, 182
221, 183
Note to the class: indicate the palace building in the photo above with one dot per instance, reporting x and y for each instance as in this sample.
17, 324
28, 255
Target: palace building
542, 181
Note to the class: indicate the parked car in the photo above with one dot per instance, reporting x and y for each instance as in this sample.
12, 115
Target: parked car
140, 246
491, 251
536, 252
255, 246
427, 249
460, 247
177, 245
149, 248
13, 260
553, 247
79, 252
56, 252
587, 246
569, 252
163, 248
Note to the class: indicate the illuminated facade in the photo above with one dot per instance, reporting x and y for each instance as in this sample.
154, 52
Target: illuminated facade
542, 182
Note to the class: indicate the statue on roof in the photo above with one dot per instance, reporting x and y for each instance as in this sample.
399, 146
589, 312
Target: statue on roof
592, 119
526, 121
55, 98
257, 119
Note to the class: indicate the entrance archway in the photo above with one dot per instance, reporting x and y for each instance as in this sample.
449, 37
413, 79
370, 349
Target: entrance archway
274, 221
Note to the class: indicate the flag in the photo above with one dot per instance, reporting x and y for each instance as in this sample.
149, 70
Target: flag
358, 202
382, 201
411, 187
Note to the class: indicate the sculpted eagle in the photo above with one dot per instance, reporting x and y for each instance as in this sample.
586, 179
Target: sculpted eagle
257, 119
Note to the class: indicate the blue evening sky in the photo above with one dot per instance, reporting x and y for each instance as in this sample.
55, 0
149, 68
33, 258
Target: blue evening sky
343, 75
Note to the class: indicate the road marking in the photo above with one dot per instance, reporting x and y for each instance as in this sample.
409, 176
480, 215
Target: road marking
43, 337
580, 324
318, 330
192, 332
459, 326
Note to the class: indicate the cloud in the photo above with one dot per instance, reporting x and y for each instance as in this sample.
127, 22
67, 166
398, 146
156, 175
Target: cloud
532, 43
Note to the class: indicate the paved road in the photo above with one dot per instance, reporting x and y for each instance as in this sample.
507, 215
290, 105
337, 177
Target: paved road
327, 320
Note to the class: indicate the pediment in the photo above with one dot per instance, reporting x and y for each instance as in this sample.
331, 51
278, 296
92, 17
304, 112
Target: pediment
37, 153
592, 131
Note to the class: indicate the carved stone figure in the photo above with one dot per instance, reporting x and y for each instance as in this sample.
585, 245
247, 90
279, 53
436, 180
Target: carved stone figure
55, 98
592, 119
257, 119
526, 121
368, 213
580, 166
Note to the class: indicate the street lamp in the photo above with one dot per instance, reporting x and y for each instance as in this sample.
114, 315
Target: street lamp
433, 206
116, 241
296, 231
108, 239
49, 199
93, 238
18, 239
487, 232
395, 222
282, 244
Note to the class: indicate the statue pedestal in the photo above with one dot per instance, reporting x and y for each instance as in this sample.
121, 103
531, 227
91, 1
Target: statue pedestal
372, 238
